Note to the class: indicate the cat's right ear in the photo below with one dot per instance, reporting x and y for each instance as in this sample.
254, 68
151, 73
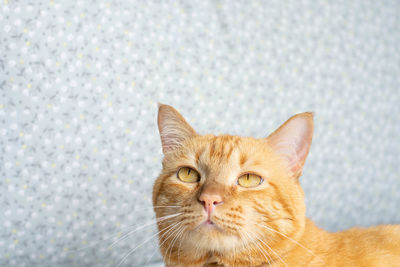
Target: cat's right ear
292, 141
173, 128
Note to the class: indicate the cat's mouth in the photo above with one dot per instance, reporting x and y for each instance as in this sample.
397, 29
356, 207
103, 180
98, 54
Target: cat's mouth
210, 225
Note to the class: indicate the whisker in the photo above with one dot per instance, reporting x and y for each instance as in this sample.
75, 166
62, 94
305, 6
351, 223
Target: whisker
173, 243
152, 222
158, 206
141, 244
273, 251
255, 236
291, 239
171, 206
125, 236
267, 257
160, 245
168, 216
180, 243
145, 209
169, 236
161, 237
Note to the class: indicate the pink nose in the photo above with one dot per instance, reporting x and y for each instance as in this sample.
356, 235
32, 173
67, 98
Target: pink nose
209, 201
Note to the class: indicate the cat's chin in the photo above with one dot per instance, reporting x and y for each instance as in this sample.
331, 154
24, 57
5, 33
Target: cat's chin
209, 236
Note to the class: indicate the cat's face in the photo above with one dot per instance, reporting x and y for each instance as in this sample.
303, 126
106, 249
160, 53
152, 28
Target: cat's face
218, 193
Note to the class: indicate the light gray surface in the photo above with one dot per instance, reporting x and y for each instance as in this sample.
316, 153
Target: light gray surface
156, 265
79, 82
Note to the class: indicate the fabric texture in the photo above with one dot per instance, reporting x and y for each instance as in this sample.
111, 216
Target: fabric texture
79, 86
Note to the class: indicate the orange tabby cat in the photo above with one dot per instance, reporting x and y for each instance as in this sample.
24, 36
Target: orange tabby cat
236, 201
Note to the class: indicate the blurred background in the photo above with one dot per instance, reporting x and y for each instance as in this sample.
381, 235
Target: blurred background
79, 83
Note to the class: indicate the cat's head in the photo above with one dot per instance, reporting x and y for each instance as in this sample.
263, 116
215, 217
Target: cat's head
219, 193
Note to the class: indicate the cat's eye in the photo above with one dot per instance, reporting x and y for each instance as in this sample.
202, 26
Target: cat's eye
249, 180
188, 175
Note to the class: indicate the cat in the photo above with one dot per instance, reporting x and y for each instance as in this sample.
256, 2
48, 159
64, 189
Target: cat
237, 201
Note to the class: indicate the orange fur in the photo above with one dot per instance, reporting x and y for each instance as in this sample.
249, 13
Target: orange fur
260, 226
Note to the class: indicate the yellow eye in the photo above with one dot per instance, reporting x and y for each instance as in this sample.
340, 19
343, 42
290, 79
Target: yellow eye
249, 180
188, 175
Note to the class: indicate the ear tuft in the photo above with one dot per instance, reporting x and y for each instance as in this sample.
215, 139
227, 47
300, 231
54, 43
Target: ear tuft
173, 128
292, 141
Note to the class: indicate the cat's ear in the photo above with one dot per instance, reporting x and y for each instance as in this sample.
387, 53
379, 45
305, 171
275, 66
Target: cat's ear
173, 128
292, 141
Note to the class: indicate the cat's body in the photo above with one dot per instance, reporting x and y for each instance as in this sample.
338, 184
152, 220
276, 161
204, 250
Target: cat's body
236, 201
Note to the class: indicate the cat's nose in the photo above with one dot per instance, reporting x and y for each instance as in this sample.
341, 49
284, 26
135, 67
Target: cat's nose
210, 200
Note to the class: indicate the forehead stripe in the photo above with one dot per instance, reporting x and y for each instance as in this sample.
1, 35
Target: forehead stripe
221, 147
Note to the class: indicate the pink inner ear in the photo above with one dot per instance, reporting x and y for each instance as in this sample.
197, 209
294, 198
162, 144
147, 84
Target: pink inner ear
292, 140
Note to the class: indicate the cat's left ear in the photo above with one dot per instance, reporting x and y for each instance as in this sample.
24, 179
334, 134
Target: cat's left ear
292, 141
174, 129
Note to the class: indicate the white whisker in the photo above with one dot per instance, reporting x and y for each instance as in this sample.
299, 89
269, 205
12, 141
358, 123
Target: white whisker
151, 222
162, 237
158, 207
125, 236
110, 237
171, 206
180, 242
273, 251
141, 244
168, 216
267, 257
176, 233
291, 239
